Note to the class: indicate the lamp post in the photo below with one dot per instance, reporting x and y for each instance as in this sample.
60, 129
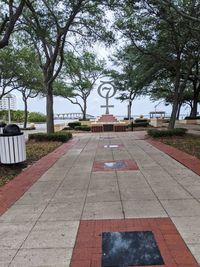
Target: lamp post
9, 96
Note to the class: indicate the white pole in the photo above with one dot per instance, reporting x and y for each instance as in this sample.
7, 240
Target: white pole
9, 116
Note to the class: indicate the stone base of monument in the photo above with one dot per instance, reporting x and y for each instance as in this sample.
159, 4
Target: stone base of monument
108, 123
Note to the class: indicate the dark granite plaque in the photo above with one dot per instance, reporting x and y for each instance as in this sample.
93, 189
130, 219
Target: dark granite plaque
123, 249
115, 165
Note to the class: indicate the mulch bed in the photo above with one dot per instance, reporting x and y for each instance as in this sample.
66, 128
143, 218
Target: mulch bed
188, 143
34, 151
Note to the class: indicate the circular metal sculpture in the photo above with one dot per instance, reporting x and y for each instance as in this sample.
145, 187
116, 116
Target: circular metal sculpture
106, 90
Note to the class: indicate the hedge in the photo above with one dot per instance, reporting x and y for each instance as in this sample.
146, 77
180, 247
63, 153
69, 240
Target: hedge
83, 128
60, 137
169, 132
140, 120
139, 124
74, 124
127, 119
84, 120
192, 118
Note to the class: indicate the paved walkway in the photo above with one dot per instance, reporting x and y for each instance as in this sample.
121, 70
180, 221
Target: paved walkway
40, 229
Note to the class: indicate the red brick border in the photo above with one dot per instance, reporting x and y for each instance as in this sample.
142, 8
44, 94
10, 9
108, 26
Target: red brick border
187, 160
12, 191
88, 251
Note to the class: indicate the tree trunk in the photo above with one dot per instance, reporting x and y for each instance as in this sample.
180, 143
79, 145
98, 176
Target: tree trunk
178, 111
25, 113
194, 108
175, 102
179, 89
195, 102
130, 106
129, 110
49, 109
84, 109
173, 115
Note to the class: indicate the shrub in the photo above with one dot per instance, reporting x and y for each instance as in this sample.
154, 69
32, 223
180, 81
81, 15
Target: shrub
83, 128
27, 128
60, 137
67, 129
169, 132
36, 117
126, 119
84, 120
74, 124
192, 118
140, 124
16, 115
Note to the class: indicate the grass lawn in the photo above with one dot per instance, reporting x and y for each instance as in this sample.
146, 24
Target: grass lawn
34, 151
188, 143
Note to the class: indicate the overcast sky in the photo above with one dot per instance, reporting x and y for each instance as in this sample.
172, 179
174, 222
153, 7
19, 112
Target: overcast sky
141, 106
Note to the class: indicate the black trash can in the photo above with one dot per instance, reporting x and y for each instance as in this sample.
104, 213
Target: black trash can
2, 125
12, 145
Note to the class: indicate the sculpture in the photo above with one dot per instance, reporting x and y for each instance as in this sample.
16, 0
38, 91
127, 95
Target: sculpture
111, 91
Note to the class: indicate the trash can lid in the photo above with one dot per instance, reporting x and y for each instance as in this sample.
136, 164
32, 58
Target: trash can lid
11, 129
2, 124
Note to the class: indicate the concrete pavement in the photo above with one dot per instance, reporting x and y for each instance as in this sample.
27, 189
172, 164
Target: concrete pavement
40, 229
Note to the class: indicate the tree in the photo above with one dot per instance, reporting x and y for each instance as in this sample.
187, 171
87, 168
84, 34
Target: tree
80, 75
194, 79
190, 10
20, 70
147, 25
133, 78
54, 26
10, 13
8, 78
29, 77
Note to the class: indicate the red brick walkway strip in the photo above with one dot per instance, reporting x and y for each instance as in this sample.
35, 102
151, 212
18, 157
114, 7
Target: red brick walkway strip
12, 191
88, 247
187, 160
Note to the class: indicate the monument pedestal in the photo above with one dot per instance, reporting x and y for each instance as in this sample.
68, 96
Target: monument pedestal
108, 123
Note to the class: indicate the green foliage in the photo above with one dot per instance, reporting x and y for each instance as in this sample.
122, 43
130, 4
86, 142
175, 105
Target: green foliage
83, 128
36, 117
78, 77
84, 119
139, 124
164, 47
16, 115
170, 132
28, 71
126, 118
56, 27
74, 124
140, 120
58, 136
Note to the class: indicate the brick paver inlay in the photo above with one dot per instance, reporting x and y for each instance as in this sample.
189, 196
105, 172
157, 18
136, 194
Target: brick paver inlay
88, 246
112, 165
